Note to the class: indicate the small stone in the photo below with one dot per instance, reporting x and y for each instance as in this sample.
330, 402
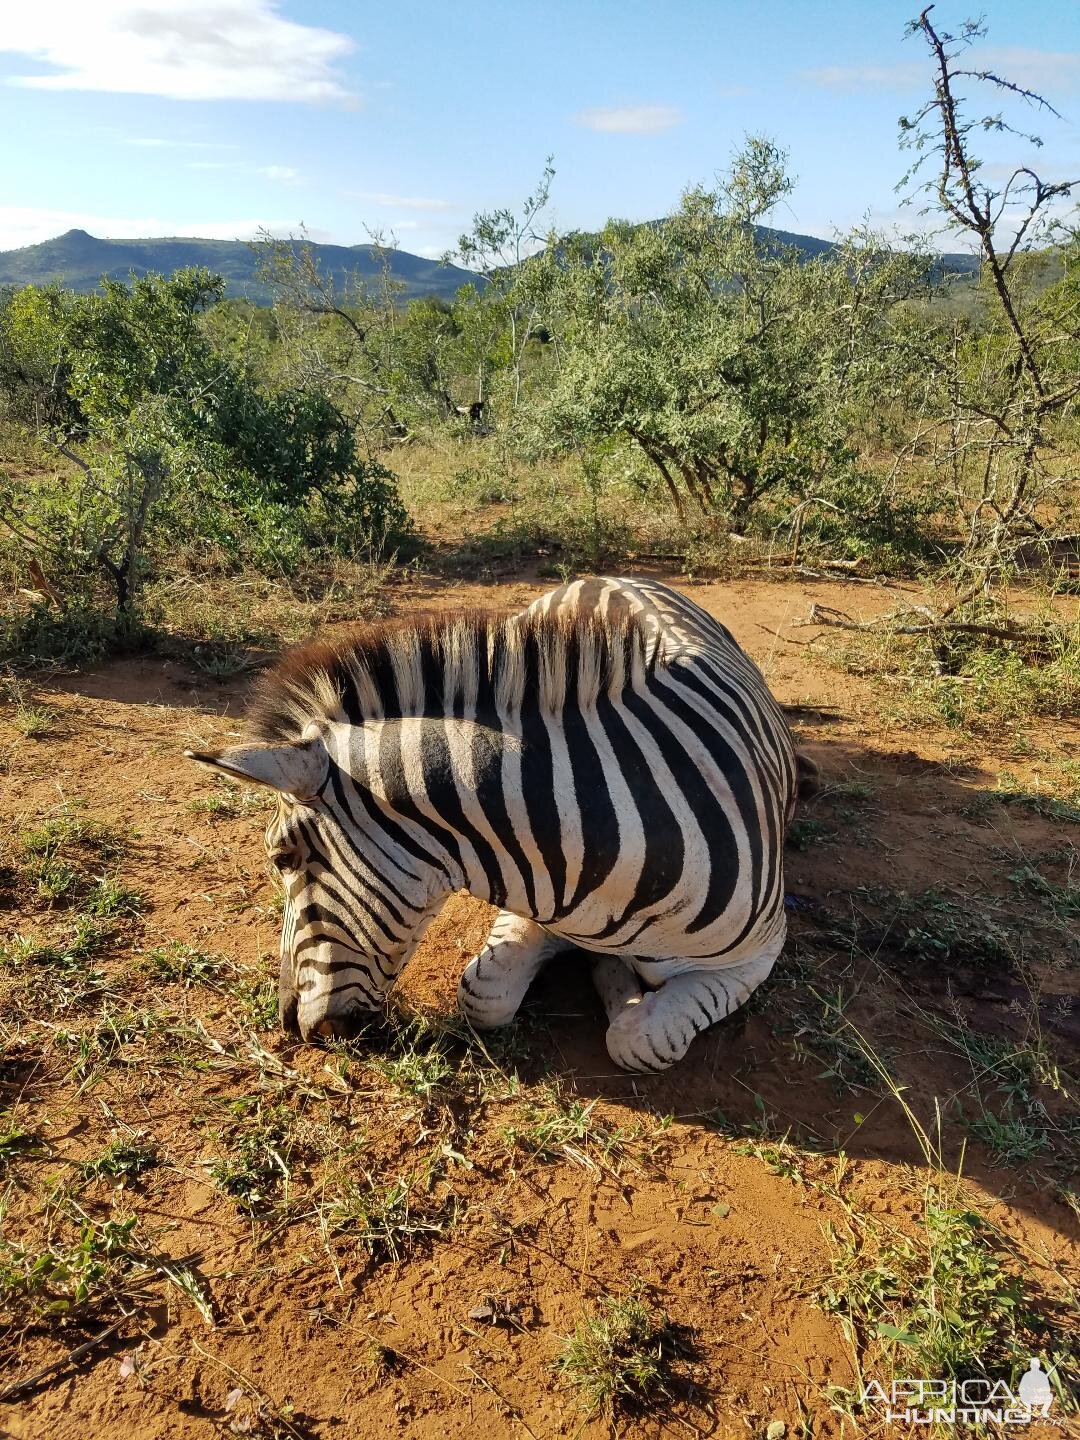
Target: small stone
776, 1431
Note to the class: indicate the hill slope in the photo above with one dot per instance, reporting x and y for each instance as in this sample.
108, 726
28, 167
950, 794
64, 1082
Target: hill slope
79, 261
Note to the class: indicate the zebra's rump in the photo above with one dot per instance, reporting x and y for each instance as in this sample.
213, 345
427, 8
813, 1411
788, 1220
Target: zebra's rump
678, 795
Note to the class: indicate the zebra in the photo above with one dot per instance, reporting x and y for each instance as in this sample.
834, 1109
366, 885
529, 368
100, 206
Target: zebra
608, 768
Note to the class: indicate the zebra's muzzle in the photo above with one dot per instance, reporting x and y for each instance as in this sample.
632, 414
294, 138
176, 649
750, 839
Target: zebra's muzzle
287, 1011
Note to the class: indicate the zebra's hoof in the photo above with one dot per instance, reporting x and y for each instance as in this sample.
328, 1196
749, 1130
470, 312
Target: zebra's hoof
632, 1041
484, 1012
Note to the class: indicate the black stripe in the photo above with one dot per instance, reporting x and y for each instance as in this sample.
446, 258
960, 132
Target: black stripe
439, 784
664, 848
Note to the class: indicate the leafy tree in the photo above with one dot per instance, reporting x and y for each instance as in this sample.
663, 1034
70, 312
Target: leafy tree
738, 367
389, 367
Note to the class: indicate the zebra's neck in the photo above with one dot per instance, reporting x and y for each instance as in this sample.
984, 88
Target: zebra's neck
446, 793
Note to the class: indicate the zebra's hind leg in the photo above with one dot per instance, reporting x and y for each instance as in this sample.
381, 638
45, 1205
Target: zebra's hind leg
494, 982
655, 1032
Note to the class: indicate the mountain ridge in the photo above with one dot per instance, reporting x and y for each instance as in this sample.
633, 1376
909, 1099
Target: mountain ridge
78, 260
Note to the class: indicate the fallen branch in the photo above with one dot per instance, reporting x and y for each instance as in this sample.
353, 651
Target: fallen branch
896, 625
10, 1391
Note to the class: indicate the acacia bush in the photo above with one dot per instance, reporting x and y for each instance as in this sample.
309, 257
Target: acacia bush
746, 373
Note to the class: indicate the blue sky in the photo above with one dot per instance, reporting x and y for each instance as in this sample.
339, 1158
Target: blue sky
213, 117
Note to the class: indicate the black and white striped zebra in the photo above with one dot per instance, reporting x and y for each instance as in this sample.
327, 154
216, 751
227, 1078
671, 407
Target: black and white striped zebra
608, 768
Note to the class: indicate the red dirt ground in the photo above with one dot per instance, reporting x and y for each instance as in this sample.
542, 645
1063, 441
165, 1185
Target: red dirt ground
729, 1238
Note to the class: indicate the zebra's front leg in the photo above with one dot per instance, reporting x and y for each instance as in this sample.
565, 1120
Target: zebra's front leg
494, 982
617, 985
653, 1033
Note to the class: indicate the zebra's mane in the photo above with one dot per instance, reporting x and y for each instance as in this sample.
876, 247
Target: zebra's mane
432, 665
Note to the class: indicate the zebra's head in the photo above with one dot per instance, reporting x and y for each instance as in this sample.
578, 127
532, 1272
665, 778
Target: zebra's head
342, 939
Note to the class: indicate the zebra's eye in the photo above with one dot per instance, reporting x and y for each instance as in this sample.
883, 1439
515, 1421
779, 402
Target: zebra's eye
283, 860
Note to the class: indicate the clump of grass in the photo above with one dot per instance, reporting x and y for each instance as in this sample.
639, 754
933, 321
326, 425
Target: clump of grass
619, 1353
964, 681
61, 1279
418, 1072
260, 1145
1014, 1122
256, 1002
948, 1302
35, 722
59, 858
57, 976
1062, 900
34, 639
228, 801
14, 1140
803, 834
558, 1129
108, 897
821, 1035
383, 1217
112, 1039
73, 829
931, 927
176, 963
120, 1160
1014, 1140
1011, 1067
418, 1063
253, 996
52, 877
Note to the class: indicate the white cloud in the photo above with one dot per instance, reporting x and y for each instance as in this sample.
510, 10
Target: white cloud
1051, 72
284, 173
400, 202
630, 119
25, 225
181, 49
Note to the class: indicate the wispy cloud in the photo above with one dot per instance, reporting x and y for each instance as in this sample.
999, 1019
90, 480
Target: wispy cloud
280, 174
181, 49
27, 225
401, 202
903, 76
630, 119
1056, 72
154, 142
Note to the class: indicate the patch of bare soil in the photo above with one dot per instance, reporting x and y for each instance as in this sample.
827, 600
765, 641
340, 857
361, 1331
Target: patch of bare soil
384, 1238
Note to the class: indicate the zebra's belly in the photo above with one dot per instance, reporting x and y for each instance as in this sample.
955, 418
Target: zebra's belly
665, 945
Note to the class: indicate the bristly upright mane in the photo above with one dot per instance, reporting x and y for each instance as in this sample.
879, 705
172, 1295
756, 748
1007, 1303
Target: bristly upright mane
440, 666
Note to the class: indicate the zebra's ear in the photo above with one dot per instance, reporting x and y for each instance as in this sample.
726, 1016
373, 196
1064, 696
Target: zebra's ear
296, 769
